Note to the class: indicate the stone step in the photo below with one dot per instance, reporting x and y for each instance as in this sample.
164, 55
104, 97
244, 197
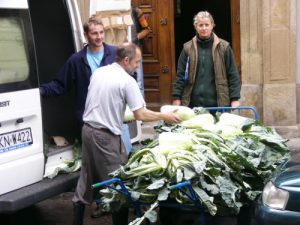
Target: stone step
288, 132
294, 144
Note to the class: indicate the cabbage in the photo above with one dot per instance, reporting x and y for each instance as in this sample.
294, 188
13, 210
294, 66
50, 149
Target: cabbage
199, 121
237, 121
168, 108
228, 132
224, 174
174, 140
183, 112
212, 128
128, 116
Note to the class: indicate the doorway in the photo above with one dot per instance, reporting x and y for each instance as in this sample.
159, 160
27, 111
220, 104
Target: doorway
172, 25
222, 12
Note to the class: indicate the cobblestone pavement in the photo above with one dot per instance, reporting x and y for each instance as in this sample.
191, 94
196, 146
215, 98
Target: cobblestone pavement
58, 211
55, 211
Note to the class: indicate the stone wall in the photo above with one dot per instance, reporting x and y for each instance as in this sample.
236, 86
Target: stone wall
268, 54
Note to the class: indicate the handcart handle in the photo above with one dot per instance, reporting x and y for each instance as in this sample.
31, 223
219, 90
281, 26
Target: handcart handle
223, 109
190, 193
179, 185
106, 182
122, 190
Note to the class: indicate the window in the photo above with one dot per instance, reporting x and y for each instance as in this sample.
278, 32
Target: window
14, 66
18, 70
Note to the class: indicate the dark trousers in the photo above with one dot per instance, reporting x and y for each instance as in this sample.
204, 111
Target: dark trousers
120, 217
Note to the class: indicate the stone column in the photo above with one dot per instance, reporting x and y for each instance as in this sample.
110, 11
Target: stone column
279, 92
269, 61
251, 54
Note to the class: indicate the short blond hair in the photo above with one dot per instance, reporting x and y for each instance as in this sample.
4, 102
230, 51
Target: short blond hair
201, 15
95, 20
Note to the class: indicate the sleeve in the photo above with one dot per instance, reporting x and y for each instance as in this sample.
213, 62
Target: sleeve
233, 76
134, 98
179, 84
61, 84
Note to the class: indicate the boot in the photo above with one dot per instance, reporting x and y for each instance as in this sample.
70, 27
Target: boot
78, 211
98, 212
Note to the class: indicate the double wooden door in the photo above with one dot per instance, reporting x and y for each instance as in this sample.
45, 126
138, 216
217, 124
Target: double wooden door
159, 49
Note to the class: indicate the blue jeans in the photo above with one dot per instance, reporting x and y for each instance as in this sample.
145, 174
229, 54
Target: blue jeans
126, 138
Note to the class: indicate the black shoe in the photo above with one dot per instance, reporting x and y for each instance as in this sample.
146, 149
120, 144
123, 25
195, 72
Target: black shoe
98, 212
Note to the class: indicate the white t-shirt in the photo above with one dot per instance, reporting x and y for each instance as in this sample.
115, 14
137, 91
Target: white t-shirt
110, 89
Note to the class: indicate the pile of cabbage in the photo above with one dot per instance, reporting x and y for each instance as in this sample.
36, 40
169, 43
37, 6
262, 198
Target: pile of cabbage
227, 158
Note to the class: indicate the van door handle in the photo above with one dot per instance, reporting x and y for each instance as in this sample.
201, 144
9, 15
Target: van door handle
20, 120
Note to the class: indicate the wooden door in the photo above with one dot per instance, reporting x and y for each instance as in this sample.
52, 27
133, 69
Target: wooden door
158, 52
236, 31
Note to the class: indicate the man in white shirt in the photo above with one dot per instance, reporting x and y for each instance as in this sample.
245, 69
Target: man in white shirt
111, 88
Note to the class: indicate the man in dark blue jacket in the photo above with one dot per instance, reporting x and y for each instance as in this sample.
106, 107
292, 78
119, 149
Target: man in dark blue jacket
80, 66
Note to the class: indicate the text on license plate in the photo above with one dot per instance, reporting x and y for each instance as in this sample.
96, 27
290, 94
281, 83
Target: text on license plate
15, 139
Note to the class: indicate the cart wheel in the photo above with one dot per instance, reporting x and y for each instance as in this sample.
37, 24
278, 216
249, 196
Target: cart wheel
175, 216
165, 216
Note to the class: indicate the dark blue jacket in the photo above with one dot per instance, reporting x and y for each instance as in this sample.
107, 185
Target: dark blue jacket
76, 72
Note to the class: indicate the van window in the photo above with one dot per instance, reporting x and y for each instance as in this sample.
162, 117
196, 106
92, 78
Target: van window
18, 70
13, 56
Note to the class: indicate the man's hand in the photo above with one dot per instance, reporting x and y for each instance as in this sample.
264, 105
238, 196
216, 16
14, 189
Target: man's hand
172, 117
143, 34
149, 115
235, 104
176, 102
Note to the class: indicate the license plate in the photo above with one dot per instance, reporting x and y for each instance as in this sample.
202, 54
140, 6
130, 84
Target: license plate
15, 139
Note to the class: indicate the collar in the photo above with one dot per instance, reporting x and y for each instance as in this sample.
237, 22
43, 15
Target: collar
201, 40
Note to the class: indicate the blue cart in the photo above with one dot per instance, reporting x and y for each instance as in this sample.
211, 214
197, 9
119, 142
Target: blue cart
184, 187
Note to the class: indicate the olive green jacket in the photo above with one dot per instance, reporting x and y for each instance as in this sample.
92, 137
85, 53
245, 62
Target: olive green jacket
226, 74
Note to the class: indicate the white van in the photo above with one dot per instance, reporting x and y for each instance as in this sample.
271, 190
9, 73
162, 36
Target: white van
36, 38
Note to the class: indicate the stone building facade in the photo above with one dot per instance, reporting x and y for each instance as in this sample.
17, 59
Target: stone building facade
269, 62
270, 65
